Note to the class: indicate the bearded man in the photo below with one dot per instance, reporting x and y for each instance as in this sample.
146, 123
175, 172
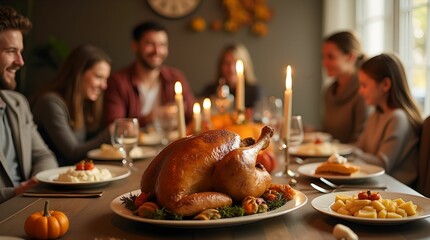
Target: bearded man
140, 89
23, 153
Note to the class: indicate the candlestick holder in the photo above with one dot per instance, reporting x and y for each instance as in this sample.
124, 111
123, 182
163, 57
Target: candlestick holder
284, 148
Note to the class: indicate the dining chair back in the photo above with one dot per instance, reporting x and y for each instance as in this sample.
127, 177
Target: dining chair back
424, 160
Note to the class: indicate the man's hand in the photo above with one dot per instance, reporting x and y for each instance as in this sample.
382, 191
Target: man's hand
26, 185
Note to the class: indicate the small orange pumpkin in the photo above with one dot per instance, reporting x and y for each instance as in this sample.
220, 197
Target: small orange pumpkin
46, 224
220, 121
268, 159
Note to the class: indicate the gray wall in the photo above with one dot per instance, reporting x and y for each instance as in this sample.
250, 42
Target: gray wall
294, 38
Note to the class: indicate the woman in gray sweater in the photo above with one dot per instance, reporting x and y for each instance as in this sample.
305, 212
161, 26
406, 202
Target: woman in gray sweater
391, 135
68, 113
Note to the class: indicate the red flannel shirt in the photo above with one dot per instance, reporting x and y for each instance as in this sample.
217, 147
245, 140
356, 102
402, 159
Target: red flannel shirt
121, 98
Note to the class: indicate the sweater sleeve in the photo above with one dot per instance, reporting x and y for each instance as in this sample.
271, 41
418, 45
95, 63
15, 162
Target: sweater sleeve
55, 121
6, 193
396, 132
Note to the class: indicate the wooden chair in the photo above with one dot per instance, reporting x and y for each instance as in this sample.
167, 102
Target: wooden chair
424, 160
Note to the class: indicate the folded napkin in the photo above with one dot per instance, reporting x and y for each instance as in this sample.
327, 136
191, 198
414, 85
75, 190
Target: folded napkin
63, 194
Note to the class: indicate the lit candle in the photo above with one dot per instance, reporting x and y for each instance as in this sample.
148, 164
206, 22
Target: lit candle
287, 104
179, 99
207, 109
240, 87
197, 118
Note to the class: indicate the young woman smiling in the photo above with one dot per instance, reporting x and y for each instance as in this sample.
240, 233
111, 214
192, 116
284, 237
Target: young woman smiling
345, 112
68, 112
390, 138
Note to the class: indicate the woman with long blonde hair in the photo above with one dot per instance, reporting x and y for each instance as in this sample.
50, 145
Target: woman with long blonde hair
226, 74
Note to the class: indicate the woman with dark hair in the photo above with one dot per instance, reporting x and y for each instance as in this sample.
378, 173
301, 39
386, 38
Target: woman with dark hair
345, 111
68, 113
390, 138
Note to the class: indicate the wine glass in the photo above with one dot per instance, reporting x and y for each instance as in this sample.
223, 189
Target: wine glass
125, 137
296, 131
296, 136
268, 111
167, 122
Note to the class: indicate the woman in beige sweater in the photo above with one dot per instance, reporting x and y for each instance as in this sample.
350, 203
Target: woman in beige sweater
345, 112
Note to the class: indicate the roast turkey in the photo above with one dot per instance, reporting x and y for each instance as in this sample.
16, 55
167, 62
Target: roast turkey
208, 170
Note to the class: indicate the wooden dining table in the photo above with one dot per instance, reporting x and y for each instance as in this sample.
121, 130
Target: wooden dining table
92, 218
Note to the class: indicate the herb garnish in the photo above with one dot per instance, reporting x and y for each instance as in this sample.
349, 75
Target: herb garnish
278, 202
231, 211
128, 202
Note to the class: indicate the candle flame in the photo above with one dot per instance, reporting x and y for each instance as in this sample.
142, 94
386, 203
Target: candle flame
239, 68
207, 103
196, 108
178, 88
288, 81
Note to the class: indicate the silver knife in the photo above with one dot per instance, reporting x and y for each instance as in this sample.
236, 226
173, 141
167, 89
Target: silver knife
362, 187
63, 194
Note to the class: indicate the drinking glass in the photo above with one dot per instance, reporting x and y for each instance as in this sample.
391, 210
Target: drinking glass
125, 137
296, 131
166, 121
296, 138
268, 111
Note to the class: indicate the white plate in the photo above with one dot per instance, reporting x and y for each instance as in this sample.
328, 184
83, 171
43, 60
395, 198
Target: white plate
366, 171
136, 153
323, 203
299, 200
152, 138
48, 176
312, 136
342, 149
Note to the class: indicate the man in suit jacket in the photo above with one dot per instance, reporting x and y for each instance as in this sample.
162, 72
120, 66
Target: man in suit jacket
22, 151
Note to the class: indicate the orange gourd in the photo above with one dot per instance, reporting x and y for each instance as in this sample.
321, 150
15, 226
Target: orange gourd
220, 121
268, 159
46, 224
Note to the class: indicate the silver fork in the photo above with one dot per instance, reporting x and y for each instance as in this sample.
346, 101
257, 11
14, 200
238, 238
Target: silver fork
332, 185
323, 190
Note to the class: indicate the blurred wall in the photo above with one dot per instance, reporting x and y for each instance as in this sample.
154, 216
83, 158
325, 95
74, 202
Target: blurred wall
294, 39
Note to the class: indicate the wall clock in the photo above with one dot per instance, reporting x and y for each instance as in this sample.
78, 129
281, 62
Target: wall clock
173, 9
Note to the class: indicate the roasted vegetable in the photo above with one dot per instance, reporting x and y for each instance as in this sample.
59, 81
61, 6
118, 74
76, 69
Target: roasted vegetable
208, 214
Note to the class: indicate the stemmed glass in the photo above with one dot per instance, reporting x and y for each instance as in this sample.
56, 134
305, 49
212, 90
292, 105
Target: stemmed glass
125, 137
269, 112
296, 131
296, 138
167, 121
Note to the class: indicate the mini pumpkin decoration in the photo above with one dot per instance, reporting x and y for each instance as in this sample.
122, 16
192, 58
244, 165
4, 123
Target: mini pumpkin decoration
46, 224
